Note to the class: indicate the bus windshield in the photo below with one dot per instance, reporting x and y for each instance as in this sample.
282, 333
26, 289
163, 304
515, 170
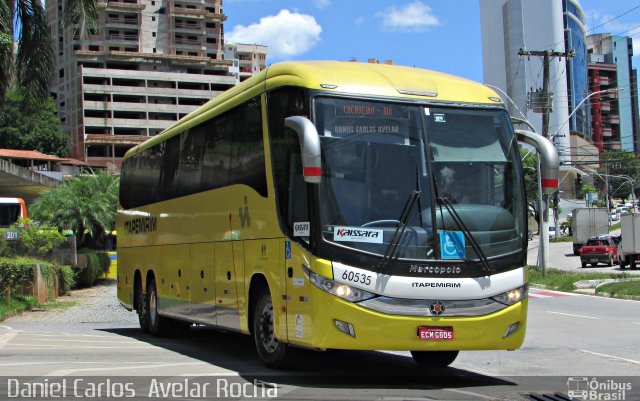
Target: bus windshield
376, 155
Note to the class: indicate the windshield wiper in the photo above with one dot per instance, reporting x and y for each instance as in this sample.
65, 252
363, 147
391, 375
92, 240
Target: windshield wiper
486, 267
389, 253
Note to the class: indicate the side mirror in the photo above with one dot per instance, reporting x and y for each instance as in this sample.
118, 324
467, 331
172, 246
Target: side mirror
549, 161
309, 147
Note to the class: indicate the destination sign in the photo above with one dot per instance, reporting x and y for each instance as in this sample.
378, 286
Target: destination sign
377, 110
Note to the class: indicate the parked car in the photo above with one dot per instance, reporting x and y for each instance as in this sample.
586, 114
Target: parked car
552, 231
602, 249
615, 216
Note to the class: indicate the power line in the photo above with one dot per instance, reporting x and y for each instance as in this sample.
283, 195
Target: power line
614, 18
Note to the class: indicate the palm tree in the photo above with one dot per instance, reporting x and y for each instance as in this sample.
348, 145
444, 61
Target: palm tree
85, 205
30, 68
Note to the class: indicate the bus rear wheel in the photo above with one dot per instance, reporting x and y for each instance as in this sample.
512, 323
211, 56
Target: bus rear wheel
434, 359
157, 324
272, 352
141, 308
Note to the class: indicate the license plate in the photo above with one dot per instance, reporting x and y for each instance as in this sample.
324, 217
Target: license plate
593, 260
430, 333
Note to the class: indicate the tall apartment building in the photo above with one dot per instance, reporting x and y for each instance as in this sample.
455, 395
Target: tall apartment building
615, 115
150, 63
545, 25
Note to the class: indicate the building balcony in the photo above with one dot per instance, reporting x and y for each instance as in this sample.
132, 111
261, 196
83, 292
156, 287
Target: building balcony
612, 119
187, 29
603, 80
120, 23
139, 107
114, 139
607, 132
126, 123
190, 44
605, 106
132, 5
191, 13
200, 2
124, 39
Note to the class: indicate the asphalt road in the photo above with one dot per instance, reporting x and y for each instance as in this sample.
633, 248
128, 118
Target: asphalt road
568, 336
561, 257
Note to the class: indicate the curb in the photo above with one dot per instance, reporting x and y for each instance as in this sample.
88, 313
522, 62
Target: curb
584, 284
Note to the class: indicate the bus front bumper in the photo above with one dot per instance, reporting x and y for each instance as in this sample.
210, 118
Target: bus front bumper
338, 324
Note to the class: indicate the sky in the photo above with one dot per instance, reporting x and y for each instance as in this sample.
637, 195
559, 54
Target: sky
441, 35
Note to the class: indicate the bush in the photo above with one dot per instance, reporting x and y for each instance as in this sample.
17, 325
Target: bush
35, 241
4, 244
97, 264
66, 279
39, 242
17, 274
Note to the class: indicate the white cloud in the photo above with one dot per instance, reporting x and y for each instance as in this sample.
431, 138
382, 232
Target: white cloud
412, 17
286, 34
321, 4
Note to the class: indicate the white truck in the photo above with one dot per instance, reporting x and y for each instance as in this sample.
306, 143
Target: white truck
629, 247
586, 223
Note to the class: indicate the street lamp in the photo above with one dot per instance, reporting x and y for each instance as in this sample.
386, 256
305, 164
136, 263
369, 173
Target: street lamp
592, 94
630, 180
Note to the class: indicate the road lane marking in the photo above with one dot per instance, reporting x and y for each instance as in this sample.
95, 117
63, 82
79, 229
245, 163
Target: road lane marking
51, 340
6, 337
471, 393
635, 322
66, 372
41, 346
611, 357
79, 363
7, 328
570, 314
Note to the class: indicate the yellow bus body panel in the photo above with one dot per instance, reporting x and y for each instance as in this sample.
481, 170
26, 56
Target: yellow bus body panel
209, 246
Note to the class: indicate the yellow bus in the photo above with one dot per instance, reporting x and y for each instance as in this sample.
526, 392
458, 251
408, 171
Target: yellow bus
334, 205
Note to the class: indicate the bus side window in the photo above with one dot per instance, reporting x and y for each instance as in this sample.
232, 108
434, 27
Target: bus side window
291, 189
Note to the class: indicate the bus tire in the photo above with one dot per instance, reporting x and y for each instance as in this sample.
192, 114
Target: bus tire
272, 352
143, 312
157, 324
434, 359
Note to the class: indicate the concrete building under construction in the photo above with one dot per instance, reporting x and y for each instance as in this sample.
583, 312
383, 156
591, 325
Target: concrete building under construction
150, 63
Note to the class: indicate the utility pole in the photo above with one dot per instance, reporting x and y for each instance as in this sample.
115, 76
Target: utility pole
541, 101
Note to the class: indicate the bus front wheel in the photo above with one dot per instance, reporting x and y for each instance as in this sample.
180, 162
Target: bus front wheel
272, 352
434, 359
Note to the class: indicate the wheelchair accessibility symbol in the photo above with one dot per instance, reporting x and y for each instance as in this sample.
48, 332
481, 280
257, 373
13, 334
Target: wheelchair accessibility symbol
452, 245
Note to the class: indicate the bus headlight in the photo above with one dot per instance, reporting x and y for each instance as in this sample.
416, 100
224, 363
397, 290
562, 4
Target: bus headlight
514, 296
340, 290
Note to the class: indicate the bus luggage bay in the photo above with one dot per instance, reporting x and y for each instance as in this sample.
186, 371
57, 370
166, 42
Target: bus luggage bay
335, 205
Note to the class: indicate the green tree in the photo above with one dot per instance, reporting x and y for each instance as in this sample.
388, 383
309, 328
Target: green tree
30, 68
31, 128
86, 205
621, 163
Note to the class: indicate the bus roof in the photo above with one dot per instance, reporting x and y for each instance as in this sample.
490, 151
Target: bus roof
361, 79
